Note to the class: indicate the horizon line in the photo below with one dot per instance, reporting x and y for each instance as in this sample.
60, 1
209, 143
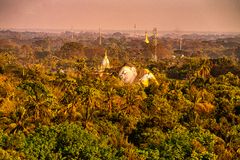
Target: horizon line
60, 30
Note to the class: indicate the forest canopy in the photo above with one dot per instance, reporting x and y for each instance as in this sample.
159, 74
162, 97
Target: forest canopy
54, 103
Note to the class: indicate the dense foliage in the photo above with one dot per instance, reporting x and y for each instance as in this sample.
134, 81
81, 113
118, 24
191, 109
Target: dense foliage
60, 108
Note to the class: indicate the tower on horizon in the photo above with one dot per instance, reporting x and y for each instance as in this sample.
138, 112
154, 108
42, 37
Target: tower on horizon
135, 27
180, 43
100, 36
72, 33
155, 34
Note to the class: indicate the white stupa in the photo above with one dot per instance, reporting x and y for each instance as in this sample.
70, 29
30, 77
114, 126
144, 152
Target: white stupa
105, 63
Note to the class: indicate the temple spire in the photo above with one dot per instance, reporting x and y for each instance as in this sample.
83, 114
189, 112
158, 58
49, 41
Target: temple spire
146, 38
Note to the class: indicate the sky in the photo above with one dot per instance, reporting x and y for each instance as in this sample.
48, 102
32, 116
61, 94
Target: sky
166, 15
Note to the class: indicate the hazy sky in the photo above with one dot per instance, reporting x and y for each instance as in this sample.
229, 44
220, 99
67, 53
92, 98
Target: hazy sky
187, 15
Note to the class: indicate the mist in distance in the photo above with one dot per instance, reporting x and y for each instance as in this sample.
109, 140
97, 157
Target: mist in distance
184, 15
